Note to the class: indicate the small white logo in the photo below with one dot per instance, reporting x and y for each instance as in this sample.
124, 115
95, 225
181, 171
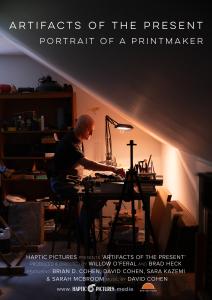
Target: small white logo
91, 287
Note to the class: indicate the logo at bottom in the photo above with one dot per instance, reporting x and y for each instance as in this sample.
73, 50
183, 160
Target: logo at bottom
148, 287
91, 288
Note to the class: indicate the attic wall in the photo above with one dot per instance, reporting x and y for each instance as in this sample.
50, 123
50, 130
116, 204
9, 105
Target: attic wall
179, 168
165, 88
180, 171
21, 70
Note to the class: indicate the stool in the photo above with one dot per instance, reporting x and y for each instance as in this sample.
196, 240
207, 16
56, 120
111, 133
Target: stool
72, 214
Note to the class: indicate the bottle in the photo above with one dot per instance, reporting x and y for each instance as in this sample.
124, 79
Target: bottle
18, 123
60, 118
22, 124
42, 123
5, 240
28, 124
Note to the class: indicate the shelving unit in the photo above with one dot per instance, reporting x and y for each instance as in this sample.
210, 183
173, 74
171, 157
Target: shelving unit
33, 131
23, 144
23, 149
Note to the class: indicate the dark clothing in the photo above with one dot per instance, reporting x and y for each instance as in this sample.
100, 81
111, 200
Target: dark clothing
68, 153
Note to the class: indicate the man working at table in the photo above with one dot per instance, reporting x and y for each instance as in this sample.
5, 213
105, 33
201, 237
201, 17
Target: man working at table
68, 157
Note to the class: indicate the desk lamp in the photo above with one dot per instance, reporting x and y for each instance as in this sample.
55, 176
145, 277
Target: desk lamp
108, 139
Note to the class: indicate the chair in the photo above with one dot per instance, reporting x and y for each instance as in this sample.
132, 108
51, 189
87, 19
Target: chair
71, 211
71, 218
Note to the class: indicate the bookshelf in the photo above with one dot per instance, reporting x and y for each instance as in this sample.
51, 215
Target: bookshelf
25, 140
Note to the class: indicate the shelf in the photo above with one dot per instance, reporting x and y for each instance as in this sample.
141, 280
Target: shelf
36, 95
27, 149
35, 131
23, 157
24, 179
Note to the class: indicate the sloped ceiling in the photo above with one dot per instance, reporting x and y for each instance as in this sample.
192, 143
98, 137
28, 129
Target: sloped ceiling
167, 89
6, 47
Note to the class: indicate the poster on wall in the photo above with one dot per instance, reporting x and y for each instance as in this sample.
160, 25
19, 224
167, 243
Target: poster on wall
123, 231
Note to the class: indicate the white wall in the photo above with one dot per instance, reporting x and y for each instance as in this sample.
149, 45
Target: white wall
180, 176
95, 148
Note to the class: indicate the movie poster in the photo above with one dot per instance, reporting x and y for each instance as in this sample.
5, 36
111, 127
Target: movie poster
151, 61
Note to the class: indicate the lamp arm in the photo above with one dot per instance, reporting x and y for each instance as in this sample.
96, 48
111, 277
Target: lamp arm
110, 144
108, 140
110, 120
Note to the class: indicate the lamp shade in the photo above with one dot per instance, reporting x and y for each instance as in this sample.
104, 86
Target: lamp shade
108, 139
124, 127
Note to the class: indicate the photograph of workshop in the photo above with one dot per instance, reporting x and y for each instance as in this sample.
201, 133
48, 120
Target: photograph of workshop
105, 150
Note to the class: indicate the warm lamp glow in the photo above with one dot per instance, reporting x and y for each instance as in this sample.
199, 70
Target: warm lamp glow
124, 127
180, 177
108, 139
